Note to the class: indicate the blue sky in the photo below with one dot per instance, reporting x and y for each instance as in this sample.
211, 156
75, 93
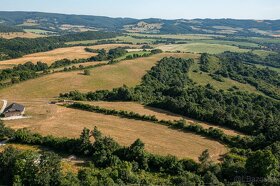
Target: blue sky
170, 9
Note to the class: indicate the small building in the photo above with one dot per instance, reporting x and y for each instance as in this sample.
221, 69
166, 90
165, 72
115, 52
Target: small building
14, 110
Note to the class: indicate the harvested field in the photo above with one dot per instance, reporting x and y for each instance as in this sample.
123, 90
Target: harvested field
57, 54
127, 72
159, 113
13, 35
59, 121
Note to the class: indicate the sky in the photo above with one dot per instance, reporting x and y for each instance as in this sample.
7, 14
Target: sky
166, 9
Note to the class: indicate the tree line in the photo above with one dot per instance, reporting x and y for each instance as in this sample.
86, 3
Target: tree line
116, 164
167, 86
17, 47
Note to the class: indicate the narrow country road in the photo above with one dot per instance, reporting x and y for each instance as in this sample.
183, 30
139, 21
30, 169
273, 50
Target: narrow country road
4, 106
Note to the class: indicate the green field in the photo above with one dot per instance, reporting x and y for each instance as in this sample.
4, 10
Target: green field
132, 53
202, 78
201, 48
271, 68
38, 31
232, 43
177, 36
120, 39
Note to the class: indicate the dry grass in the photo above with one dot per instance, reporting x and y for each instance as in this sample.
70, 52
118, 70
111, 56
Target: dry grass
57, 54
127, 72
59, 121
159, 113
13, 35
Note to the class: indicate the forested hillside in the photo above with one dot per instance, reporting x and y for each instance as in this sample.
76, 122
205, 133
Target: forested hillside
53, 22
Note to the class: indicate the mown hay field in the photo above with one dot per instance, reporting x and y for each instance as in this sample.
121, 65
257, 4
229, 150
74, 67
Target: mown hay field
49, 57
60, 121
159, 113
12, 35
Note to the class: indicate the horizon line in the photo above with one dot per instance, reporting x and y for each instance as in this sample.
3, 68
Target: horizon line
120, 17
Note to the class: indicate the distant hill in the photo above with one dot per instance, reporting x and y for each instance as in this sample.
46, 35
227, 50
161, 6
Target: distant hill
63, 22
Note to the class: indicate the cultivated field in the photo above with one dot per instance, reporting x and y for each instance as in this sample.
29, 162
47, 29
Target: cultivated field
59, 121
127, 39
177, 36
38, 31
127, 72
56, 54
201, 48
13, 35
160, 114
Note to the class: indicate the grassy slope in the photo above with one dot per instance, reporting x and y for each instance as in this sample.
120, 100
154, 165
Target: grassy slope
59, 121
127, 72
201, 48
203, 79
160, 114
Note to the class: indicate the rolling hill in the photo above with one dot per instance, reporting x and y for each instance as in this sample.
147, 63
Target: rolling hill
62, 22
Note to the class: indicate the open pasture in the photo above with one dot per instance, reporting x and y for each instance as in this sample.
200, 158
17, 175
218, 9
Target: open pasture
59, 121
201, 48
128, 72
159, 113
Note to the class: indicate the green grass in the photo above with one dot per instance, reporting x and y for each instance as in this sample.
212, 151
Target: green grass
132, 53
263, 53
271, 68
177, 36
120, 39
133, 40
201, 48
37, 31
85, 42
264, 40
202, 78
232, 43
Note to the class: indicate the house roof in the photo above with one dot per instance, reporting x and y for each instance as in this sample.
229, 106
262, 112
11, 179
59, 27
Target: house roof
14, 107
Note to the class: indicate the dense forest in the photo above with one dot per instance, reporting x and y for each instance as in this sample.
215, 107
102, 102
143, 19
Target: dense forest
8, 28
113, 164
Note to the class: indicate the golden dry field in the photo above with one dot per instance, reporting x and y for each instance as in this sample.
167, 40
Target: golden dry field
49, 57
159, 113
60, 121
13, 35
